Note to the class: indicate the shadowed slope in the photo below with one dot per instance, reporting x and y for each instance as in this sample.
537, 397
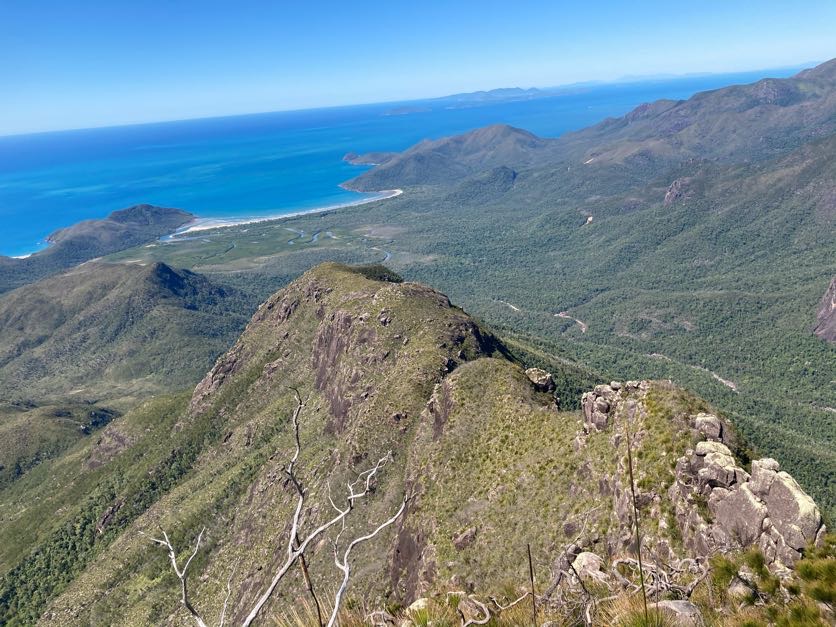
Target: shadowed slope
109, 330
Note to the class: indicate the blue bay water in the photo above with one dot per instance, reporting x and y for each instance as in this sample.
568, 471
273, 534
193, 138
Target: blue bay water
265, 164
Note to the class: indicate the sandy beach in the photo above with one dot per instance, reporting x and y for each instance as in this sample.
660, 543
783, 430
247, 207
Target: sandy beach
207, 224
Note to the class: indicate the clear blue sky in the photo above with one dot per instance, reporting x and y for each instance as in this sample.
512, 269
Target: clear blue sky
81, 63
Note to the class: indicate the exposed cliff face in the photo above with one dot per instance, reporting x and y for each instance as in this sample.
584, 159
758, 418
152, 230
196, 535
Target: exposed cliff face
826, 317
767, 509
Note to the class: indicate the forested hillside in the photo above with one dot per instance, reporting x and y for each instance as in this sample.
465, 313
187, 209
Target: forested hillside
694, 240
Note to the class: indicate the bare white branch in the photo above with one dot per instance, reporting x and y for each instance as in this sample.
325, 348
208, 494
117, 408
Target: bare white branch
298, 547
297, 542
226, 600
502, 608
345, 566
181, 574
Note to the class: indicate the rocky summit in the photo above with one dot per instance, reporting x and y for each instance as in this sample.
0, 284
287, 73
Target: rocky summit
350, 377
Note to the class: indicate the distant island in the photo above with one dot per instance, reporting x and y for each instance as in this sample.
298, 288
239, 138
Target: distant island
470, 99
496, 95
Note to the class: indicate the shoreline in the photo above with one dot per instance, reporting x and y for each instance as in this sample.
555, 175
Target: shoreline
209, 224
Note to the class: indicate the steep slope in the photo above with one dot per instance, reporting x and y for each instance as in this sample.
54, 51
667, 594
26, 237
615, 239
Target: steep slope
826, 316
368, 352
90, 239
479, 445
111, 330
30, 435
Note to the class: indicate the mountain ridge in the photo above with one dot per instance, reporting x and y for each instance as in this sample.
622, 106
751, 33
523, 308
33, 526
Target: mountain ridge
715, 125
451, 158
393, 366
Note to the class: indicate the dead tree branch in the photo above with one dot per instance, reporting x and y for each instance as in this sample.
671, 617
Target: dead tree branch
473, 621
226, 600
502, 608
297, 542
345, 566
631, 413
589, 606
297, 545
181, 574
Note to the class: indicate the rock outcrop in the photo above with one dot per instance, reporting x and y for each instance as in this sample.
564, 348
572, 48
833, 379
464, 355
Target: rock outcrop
717, 505
683, 613
541, 379
826, 317
601, 402
676, 191
720, 507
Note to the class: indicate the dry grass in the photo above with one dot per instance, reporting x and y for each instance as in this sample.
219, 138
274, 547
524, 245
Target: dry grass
628, 611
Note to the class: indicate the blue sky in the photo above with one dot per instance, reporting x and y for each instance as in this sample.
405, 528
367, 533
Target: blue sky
82, 63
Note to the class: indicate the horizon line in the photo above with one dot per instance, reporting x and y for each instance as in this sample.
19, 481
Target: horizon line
623, 80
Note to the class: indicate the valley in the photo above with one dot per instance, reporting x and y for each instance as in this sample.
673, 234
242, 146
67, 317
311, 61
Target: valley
721, 277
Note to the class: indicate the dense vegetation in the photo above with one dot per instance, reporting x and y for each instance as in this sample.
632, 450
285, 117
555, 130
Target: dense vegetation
114, 331
724, 280
659, 245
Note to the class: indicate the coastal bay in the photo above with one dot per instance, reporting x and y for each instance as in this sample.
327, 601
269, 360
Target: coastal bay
244, 168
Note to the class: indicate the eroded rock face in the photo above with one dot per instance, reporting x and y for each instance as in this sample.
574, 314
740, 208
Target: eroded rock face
826, 316
709, 425
767, 509
589, 566
597, 406
717, 505
676, 191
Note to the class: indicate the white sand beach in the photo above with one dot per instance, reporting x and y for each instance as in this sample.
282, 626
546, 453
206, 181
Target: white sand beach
206, 224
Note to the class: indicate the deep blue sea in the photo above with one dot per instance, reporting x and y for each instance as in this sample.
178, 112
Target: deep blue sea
265, 164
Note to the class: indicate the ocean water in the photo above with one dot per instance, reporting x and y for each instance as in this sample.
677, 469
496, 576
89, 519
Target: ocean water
262, 165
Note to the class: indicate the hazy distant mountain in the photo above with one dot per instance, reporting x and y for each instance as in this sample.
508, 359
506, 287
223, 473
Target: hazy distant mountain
369, 158
741, 123
495, 95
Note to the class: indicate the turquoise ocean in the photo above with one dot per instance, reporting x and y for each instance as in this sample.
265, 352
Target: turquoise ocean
269, 164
